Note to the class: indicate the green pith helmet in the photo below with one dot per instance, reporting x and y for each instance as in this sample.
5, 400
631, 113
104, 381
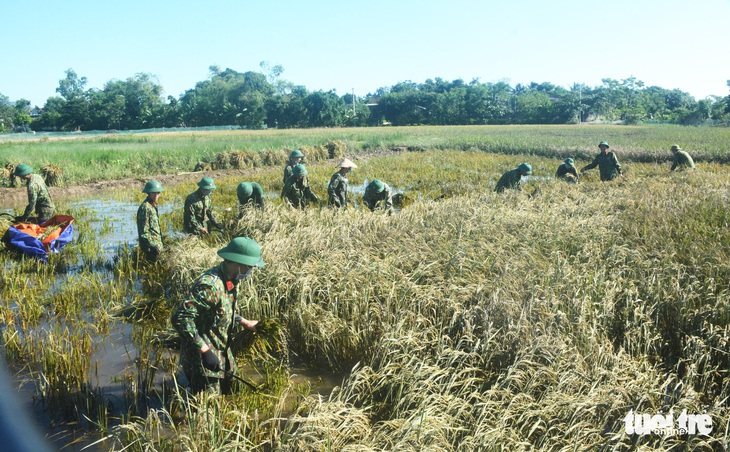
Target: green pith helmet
525, 168
244, 251
206, 183
603, 143
244, 190
23, 170
569, 161
675, 148
299, 170
152, 187
376, 186
295, 153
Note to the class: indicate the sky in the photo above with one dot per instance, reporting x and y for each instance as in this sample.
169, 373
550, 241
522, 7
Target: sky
360, 46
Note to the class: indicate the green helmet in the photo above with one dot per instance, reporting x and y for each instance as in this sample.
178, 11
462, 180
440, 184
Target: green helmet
152, 187
525, 168
296, 153
244, 190
23, 170
244, 251
674, 148
299, 170
376, 186
603, 143
569, 161
206, 183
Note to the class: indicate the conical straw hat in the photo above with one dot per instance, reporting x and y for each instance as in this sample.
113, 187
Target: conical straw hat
346, 163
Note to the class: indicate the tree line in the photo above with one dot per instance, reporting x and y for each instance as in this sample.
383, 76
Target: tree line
262, 99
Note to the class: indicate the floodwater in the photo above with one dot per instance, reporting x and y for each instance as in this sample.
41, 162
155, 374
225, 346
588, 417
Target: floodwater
115, 226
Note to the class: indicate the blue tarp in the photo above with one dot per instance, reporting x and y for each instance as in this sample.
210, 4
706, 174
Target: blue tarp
25, 237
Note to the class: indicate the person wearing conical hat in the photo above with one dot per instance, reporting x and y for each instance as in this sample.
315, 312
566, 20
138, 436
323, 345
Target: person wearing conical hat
512, 179
148, 222
567, 171
681, 159
249, 194
337, 188
297, 192
607, 163
39, 198
378, 196
295, 158
198, 214
206, 319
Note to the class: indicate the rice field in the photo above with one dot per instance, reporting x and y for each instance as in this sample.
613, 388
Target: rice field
538, 319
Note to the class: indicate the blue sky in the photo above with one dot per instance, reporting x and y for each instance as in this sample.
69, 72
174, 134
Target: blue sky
364, 45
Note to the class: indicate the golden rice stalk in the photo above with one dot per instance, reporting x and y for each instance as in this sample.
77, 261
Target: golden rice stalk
52, 174
243, 159
261, 342
48, 231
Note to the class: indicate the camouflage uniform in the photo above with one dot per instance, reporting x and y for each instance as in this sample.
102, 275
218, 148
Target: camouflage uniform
207, 317
148, 228
511, 179
337, 190
297, 192
39, 199
288, 171
682, 160
373, 200
198, 213
564, 170
607, 164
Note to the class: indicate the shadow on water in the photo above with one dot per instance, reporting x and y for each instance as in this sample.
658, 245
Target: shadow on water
114, 367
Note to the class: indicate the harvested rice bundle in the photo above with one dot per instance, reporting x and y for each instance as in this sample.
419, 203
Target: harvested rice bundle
259, 343
52, 174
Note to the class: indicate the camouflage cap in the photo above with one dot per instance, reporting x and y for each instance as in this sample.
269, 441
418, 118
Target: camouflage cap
525, 168
299, 170
244, 251
23, 170
152, 187
207, 183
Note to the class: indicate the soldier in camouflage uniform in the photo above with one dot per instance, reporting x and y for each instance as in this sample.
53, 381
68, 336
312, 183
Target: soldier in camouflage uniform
249, 194
206, 319
681, 159
198, 213
378, 195
567, 171
295, 158
39, 199
607, 163
337, 188
296, 190
148, 222
512, 179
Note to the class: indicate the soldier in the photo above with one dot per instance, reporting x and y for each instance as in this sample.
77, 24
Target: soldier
378, 195
39, 199
607, 163
567, 171
513, 178
198, 213
249, 194
148, 222
337, 188
681, 159
295, 158
296, 190
205, 320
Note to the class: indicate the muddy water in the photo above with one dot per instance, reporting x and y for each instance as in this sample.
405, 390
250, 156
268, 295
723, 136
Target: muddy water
113, 222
